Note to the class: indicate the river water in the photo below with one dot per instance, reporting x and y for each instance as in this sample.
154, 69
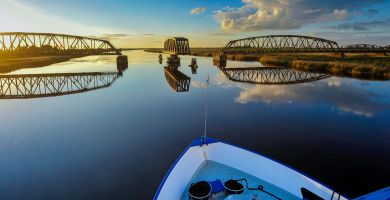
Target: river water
117, 142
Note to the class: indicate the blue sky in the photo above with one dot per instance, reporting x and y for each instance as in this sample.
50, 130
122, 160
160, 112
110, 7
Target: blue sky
207, 23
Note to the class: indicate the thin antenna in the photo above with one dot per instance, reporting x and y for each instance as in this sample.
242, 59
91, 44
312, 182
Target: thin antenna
206, 108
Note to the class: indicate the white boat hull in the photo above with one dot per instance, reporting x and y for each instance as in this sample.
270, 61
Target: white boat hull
178, 178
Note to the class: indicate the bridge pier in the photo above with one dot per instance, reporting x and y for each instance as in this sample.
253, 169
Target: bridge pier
122, 60
173, 61
121, 64
219, 59
194, 66
160, 58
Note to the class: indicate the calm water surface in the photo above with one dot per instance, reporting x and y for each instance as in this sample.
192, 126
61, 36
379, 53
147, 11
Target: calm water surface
118, 142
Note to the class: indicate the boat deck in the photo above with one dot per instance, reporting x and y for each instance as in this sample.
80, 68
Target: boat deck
211, 171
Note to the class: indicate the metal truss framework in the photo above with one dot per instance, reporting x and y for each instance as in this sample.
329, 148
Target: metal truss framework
281, 44
178, 81
24, 86
364, 48
52, 44
271, 75
177, 45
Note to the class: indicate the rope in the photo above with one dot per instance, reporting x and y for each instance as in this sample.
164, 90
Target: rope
260, 188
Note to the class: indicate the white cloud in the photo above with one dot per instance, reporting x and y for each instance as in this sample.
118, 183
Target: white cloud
198, 10
340, 14
198, 84
258, 15
335, 16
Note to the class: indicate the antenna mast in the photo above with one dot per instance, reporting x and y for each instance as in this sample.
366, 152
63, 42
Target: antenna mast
206, 109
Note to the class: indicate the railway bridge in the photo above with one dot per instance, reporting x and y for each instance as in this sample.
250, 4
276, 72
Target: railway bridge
281, 44
365, 48
26, 43
177, 46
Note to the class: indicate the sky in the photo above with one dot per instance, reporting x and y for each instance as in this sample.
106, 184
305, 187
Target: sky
206, 23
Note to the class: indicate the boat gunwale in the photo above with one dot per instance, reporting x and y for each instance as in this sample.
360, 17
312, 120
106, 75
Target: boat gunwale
196, 142
199, 142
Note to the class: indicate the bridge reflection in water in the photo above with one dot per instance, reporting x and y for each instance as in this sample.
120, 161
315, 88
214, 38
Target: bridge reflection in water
177, 80
24, 86
271, 75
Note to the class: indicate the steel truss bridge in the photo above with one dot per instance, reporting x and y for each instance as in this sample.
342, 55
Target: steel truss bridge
24, 86
178, 81
281, 44
271, 75
365, 48
23, 43
177, 46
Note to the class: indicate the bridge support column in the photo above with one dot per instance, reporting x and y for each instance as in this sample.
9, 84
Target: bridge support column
219, 59
173, 61
194, 66
121, 63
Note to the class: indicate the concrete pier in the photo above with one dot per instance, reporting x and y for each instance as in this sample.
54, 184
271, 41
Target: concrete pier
173, 61
219, 59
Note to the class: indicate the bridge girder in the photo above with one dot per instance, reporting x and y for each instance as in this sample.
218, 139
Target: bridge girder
364, 48
177, 45
177, 80
281, 44
271, 75
22, 43
359, 46
25, 86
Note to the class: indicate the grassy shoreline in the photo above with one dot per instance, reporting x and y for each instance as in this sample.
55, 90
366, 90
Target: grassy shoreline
374, 66
11, 64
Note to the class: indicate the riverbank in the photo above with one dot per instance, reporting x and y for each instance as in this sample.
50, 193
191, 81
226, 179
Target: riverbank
11, 64
357, 65
363, 66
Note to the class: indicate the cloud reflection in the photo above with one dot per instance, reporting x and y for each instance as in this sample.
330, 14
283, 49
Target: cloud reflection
95, 59
343, 95
198, 84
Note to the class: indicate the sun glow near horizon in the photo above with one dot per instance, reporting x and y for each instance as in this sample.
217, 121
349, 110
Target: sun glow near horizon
18, 17
134, 24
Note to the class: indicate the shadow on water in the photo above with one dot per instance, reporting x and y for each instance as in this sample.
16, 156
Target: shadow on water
26, 86
268, 75
180, 82
177, 80
271, 75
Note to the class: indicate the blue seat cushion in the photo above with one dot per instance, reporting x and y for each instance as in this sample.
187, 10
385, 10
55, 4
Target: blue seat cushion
217, 186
